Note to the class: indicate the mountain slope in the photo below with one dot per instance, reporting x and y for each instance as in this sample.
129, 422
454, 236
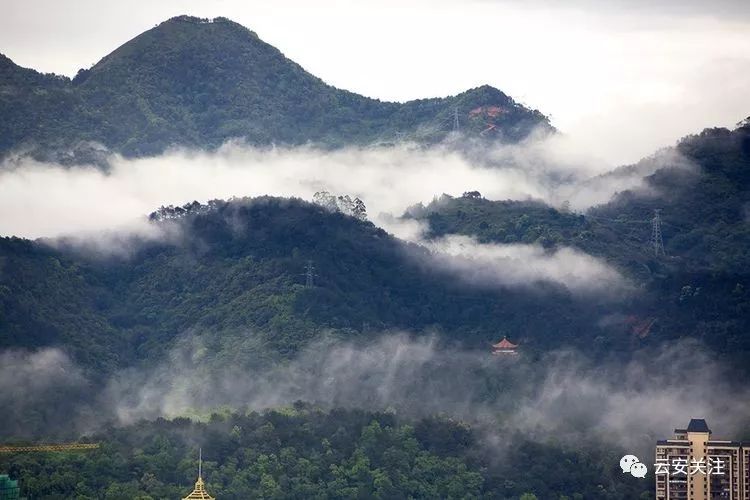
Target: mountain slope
701, 186
705, 208
701, 288
235, 276
32, 105
198, 83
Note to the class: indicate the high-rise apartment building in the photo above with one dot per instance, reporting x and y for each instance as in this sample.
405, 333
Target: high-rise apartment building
693, 466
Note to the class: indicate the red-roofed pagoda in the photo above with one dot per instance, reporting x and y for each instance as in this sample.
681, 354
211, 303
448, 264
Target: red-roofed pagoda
504, 347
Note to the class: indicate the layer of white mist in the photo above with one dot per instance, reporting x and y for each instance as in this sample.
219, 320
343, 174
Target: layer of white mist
47, 200
563, 396
104, 211
518, 265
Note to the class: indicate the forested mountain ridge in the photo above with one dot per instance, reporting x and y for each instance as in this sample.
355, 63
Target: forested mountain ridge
702, 190
198, 83
700, 288
236, 275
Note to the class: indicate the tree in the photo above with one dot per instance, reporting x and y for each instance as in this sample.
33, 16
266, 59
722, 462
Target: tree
342, 204
359, 210
325, 200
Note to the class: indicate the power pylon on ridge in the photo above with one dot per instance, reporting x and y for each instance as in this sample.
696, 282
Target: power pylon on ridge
657, 243
456, 124
309, 274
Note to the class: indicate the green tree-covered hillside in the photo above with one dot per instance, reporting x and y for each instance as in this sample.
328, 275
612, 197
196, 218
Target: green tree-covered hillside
699, 289
198, 83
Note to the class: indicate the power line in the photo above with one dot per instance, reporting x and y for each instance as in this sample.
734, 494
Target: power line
626, 221
621, 221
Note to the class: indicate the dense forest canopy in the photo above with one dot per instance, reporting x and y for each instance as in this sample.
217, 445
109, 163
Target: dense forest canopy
301, 452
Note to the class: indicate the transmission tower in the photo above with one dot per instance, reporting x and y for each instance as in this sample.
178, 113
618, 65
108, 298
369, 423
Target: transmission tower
309, 274
656, 240
456, 125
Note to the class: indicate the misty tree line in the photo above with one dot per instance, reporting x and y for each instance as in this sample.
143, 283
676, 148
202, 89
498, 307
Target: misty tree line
344, 204
170, 212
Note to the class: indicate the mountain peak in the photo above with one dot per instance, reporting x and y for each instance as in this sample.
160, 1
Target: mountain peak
189, 22
488, 90
199, 82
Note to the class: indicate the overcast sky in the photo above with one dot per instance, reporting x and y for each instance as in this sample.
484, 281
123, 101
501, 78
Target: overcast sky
622, 78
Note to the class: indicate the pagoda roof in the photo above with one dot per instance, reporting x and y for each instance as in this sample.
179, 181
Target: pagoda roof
505, 344
199, 493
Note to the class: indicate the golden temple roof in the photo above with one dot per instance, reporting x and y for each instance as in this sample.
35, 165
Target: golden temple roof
199, 493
